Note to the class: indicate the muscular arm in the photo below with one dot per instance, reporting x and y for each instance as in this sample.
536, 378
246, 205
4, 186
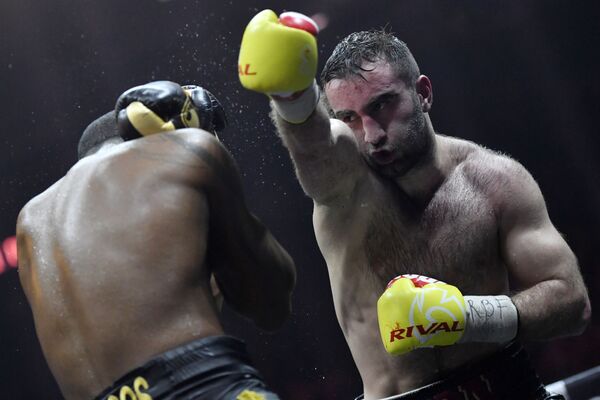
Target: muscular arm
325, 155
254, 272
552, 300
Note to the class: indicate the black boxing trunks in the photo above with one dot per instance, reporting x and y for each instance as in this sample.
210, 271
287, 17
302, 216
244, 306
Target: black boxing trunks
211, 368
506, 375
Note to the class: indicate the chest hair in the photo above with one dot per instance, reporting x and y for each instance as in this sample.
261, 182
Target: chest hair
452, 239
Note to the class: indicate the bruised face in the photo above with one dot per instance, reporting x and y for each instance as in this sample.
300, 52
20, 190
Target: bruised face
386, 116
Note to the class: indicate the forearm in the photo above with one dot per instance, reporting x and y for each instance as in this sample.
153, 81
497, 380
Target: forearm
253, 271
273, 263
417, 311
327, 165
547, 310
551, 309
271, 277
311, 137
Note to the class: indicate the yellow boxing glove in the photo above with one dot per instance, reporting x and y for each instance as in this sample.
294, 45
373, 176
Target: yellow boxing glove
416, 311
278, 57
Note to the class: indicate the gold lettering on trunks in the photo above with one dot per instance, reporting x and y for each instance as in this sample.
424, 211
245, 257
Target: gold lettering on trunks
137, 393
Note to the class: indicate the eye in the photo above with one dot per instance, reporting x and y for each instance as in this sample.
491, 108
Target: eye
382, 102
380, 105
348, 119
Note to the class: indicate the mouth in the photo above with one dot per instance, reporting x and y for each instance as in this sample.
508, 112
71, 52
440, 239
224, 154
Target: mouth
382, 157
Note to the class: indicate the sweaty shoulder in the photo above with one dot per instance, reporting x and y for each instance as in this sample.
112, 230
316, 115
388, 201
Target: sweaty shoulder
191, 151
218, 165
199, 144
35, 210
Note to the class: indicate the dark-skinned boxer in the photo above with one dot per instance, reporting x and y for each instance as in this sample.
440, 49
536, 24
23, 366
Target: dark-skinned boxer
116, 258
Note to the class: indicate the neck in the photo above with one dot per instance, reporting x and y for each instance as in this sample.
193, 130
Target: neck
423, 180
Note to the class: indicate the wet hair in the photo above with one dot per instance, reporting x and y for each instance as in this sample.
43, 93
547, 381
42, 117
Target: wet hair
96, 133
357, 48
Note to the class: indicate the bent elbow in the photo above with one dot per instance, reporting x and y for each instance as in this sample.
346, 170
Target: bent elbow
585, 315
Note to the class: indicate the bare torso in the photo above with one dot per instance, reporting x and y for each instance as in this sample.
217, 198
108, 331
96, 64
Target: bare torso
112, 259
376, 233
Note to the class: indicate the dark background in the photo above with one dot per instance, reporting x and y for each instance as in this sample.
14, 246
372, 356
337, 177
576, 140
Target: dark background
520, 77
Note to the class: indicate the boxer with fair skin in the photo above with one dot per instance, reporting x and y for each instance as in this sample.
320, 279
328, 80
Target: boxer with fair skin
391, 196
116, 258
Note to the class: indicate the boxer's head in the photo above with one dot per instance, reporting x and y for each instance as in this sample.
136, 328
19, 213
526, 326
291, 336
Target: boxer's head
99, 132
372, 84
367, 47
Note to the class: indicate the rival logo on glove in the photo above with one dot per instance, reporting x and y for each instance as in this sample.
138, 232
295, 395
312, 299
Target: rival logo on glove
245, 70
434, 327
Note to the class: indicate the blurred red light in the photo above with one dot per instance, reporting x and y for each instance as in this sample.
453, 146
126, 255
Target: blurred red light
2, 264
10, 251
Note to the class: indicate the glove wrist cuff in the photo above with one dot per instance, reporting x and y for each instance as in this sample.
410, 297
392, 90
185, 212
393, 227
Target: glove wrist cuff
490, 319
297, 111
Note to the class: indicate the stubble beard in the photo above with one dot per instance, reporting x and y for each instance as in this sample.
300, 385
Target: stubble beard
413, 150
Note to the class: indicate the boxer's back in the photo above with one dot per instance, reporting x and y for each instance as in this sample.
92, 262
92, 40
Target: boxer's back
112, 260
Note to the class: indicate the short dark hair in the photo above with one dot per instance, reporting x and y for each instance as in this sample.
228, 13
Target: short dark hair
97, 132
370, 46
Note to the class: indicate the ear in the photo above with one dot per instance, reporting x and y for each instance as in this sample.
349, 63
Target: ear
425, 92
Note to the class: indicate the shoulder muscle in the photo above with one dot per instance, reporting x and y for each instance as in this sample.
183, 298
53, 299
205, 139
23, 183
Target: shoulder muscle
512, 191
